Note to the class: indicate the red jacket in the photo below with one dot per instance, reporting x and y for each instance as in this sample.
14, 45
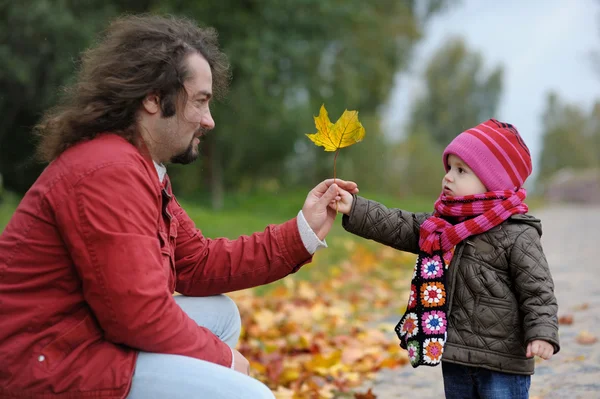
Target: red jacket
88, 266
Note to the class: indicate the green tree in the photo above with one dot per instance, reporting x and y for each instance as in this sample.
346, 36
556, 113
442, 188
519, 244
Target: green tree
459, 94
40, 41
569, 138
594, 133
288, 57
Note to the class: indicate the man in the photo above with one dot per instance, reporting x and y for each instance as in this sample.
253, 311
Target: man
98, 245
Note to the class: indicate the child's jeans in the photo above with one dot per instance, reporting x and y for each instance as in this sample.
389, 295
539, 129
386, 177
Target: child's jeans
159, 375
464, 382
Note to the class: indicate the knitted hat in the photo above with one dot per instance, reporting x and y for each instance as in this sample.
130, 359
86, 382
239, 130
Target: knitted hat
495, 152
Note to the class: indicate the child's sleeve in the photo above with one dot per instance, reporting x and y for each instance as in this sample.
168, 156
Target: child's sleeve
393, 227
534, 289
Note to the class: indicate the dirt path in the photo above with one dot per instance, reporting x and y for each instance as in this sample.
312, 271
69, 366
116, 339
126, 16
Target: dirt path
571, 242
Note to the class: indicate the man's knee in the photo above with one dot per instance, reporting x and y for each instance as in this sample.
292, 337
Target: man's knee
228, 306
217, 313
232, 322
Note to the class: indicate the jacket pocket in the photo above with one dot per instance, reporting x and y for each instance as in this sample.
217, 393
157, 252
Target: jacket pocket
86, 330
494, 317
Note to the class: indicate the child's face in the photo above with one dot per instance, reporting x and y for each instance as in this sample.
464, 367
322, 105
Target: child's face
460, 179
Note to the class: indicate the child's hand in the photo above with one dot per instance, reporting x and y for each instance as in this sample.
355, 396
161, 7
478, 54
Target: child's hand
343, 203
540, 348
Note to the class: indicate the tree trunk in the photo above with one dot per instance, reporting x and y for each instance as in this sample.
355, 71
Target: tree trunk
214, 174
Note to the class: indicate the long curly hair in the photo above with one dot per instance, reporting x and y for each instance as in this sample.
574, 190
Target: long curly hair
136, 55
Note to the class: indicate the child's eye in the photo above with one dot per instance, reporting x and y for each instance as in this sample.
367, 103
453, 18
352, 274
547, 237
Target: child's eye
461, 170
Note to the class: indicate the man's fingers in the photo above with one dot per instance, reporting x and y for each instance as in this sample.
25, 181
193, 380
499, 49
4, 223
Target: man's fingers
322, 187
330, 195
529, 354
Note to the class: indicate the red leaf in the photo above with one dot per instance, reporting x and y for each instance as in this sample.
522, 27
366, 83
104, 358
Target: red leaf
566, 319
368, 395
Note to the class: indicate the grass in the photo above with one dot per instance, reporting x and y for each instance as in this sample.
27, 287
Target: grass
8, 204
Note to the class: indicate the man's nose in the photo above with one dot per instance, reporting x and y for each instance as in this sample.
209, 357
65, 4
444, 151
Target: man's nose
207, 121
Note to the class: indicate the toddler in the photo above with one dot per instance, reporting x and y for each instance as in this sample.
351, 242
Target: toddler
482, 297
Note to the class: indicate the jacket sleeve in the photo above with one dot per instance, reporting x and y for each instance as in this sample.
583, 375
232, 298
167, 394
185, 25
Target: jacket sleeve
393, 227
534, 288
216, 266
111, 229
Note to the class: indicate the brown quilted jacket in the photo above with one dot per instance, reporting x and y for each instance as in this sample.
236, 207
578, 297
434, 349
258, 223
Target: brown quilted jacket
499, 287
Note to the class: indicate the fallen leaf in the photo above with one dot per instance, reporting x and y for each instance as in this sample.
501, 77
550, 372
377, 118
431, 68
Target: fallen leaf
283, 393
583, 306
585, 338
351, 355
368, 395
579, 358
566, 319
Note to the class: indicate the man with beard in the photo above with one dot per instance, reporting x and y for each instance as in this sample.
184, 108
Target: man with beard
95, 250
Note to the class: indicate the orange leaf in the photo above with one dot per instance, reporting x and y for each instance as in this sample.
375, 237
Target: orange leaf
585, 338
368, 395
566, 319
275, 368
583, 306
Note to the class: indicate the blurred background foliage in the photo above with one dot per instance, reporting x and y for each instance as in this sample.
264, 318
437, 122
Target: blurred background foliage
288, 57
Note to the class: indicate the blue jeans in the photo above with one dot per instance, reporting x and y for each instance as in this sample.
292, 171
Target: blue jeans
160, 375
464, 382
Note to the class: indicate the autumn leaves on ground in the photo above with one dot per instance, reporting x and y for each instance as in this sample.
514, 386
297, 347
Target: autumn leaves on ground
320, 337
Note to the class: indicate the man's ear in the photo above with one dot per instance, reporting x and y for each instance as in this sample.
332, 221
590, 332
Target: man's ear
151, 103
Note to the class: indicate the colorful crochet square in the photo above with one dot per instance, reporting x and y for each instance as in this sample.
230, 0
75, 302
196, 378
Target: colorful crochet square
411, 325
433, 295
433, 322
412, 300
432, 267
413, 352
432, 350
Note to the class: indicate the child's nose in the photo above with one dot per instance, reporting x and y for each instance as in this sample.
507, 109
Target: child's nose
448, 177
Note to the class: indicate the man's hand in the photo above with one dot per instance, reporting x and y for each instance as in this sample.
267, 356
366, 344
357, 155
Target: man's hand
241, 364
316, 209
540, 348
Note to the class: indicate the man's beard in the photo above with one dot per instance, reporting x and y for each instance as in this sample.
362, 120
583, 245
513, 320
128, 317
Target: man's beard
187, 156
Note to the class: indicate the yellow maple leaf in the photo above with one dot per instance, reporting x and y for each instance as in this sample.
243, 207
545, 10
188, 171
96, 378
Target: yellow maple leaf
347, 130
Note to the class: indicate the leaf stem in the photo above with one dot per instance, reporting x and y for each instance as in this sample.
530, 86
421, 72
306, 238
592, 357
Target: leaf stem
334, 159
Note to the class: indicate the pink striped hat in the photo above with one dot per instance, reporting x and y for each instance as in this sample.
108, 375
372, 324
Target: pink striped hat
495, 152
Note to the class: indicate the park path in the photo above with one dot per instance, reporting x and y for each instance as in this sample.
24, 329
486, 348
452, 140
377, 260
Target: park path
571, 240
